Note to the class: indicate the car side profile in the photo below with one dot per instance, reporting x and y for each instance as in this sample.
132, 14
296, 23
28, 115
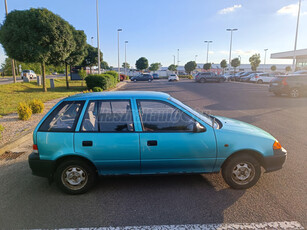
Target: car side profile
261, 78
142, 77
145, 133
173, 77
209, 77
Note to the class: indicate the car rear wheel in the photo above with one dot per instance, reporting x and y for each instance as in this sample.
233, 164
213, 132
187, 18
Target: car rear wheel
149, 80
134, 80
259, 82
75, 176
202, 80
241, 172
295, 92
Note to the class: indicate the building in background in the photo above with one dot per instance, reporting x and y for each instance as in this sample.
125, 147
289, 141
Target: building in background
301, 57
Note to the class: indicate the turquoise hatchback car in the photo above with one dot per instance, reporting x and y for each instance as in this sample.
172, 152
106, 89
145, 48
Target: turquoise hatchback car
126, 132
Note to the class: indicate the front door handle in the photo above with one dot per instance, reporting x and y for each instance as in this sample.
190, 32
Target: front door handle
152, 143
87, 143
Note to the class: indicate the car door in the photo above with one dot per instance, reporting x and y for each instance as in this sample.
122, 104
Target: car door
168, 143
107, 136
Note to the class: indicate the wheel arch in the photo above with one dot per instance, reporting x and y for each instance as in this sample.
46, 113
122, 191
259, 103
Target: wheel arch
73, 157
257, 155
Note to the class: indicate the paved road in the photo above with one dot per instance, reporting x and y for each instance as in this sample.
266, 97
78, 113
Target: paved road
5, 81
29, 202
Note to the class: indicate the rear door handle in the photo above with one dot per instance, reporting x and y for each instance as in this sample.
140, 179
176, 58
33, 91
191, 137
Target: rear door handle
87, 143
152, 143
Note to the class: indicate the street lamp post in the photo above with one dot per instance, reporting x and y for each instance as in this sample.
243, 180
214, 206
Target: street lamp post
13, 61
98, 37
177, 60
118, 30
208, 50
231, 30
265, 50
174, 59
296, 34
92, 41
239, 59
126, 42
196, 57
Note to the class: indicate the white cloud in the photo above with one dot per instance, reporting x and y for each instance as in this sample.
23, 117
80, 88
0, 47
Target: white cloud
229, 9
291, 9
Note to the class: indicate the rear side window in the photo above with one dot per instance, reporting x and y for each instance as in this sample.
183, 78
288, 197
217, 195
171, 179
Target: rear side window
108, 116
64, 118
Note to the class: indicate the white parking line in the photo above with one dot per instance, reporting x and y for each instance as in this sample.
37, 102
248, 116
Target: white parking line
248, 83
266, 225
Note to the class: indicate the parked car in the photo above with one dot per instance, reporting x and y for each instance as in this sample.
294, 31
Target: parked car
155, 76
123, 77
30, 74
142, 77
54, 73
227, 76
238, 77
293, 85
261, 78
209, 77
173, 77
300, 72
247, 78
130, 132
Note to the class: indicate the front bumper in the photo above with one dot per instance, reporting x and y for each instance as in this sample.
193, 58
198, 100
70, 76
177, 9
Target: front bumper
43, 168
276, 161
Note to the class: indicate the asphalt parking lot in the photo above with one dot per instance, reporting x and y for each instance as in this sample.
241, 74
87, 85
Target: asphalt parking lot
29, 202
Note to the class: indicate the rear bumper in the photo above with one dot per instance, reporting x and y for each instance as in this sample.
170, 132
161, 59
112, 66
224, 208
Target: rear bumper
276, 161
42, 168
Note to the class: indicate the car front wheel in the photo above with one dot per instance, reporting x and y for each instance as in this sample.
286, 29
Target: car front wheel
75, 176
203, 80
294, 93
241, 172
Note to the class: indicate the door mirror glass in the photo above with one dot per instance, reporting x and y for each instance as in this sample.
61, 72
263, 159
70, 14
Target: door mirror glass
198, 128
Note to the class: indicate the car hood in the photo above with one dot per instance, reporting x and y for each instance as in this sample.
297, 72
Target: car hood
243, 128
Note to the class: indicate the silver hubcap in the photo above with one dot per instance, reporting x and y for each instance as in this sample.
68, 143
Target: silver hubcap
294, 93
74, 177
243, 173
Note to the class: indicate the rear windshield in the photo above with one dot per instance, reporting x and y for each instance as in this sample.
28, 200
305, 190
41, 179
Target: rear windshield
64, 118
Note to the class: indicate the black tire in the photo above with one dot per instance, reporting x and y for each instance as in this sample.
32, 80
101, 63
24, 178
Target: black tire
259, 82
134, 80
250, 167
221, 80
294, 93
75, 167
202, 80
149, 80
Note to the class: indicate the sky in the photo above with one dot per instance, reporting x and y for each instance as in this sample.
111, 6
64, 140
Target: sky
156, 29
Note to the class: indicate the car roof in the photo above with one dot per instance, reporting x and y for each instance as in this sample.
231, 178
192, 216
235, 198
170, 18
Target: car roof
119, 95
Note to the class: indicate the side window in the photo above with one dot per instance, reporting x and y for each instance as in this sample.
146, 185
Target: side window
64, 118
158, 116
108, 116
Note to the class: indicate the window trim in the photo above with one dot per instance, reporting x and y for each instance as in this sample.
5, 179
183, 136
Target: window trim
167, 103
99, 103
56, 109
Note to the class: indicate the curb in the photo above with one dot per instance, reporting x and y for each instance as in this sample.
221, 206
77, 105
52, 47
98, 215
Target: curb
28, 135
16, 143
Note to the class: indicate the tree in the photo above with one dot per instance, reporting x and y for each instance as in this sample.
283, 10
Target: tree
104, 65
207, 66
78, 54
141, 63
91, 59
36, 35
126, 65
273, 68
155, 66
288, 68
223, 64
190, 66
254, 61
235, 63
172, 67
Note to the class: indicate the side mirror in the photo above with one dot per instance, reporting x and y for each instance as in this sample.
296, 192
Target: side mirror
198, 128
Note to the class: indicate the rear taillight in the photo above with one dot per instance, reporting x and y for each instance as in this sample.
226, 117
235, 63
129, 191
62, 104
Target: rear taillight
256, 76
35, 149
284, 81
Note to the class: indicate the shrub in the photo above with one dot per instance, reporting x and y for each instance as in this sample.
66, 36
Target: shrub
37, 106
97, 89
113, 73
24, 111
104, 81
186, 76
